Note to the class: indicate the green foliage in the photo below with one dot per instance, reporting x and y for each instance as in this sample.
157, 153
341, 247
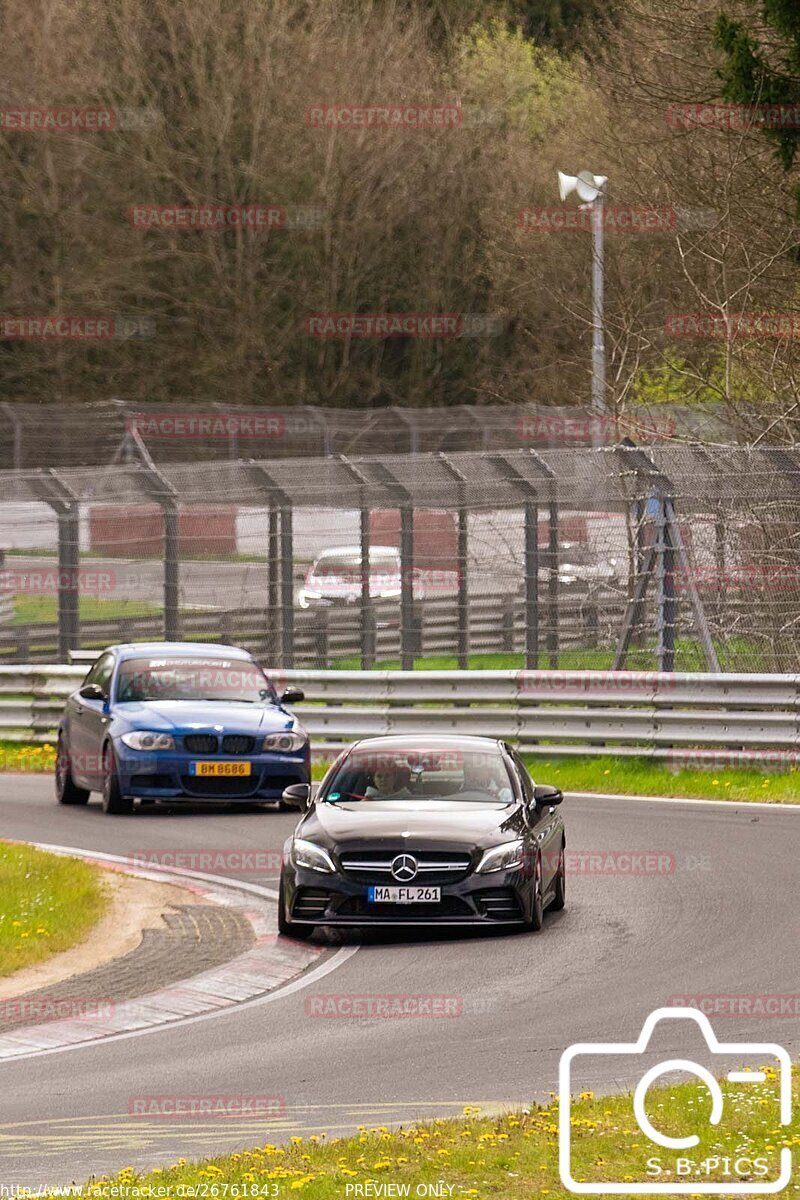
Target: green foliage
759, 71
503, 71
673, 381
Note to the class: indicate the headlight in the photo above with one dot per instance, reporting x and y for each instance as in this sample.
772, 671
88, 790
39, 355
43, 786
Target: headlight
502, 858
286, 743
313, 857
144, 740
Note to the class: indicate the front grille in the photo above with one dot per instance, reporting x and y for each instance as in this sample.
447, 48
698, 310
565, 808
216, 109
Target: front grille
242, 785
448, 906
238, 743
433, 866
151, 781
499, 904
200, 743
310, 903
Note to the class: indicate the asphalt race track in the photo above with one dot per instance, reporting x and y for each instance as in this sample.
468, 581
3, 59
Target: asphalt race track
723, 919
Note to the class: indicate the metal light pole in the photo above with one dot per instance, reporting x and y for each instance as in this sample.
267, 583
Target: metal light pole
591, 189
598, 298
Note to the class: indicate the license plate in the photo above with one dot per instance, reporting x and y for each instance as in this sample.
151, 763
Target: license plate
404, 895
226, 769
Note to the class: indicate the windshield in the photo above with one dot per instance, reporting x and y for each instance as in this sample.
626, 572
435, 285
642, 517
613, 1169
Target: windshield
233, 680
421, 772
348, 566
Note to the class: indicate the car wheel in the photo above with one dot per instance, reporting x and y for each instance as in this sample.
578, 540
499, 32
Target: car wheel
285, 926
560, 898
537, 900
67, 791
114, 802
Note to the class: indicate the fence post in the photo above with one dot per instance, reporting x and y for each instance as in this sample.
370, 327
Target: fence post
507, 625
407, 630
322, 639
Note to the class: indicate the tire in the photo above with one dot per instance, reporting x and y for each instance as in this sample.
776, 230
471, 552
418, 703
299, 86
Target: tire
67, 791
114, 803
285, 926
536, 920
559, 901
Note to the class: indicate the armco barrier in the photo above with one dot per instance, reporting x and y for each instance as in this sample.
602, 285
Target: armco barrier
680, 717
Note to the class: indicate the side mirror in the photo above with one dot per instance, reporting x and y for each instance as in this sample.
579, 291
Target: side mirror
297, 795
92, 691
544, 794
292, 695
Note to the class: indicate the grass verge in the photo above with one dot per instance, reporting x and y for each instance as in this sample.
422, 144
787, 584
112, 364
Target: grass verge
737, 654
47, 904
43, 610
643, 777
511, 1157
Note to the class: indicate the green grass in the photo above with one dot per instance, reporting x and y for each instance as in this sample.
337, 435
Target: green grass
641, 776
511, 1157
688, 657
43, 610
47, 904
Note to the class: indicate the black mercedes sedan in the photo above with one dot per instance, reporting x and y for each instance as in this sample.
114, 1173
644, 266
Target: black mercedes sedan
423, 830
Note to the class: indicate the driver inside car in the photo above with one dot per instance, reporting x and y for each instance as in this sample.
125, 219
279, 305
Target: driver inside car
487, 779
389, 783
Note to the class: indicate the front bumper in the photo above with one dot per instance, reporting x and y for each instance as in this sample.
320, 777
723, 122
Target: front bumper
315, 898
167, 776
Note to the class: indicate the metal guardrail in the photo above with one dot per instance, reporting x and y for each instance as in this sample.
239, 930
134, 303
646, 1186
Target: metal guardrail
497, 624
681, 717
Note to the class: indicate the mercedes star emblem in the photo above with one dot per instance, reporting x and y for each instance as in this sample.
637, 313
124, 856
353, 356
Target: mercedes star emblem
404, 867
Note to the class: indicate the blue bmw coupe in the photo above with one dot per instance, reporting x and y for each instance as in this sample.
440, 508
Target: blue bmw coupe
178, 721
